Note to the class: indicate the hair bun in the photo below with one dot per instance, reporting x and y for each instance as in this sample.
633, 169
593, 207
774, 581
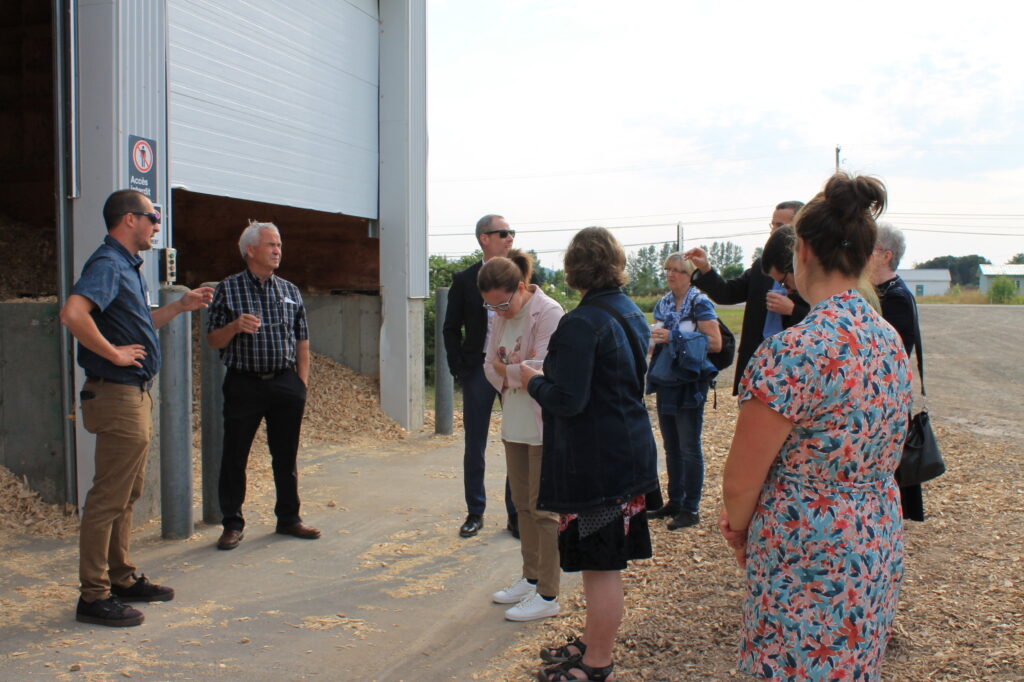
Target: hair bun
848, 197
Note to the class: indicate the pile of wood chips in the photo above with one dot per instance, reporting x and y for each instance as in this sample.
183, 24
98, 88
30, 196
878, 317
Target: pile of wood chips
342, 406
961, 612
32, 271
23, 512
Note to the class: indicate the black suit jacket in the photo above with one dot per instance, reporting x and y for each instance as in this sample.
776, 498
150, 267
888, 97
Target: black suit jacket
465, 310
751, 288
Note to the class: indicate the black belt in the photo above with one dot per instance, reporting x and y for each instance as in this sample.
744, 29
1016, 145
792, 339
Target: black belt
142, 384
263, 376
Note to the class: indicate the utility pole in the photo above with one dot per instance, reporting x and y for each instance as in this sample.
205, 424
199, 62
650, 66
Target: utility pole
838, 148
679, 235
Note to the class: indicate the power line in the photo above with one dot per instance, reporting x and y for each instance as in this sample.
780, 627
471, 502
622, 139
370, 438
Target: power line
623, 217
965, 234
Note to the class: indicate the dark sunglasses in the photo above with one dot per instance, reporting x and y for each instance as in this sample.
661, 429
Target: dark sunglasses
503, 234
153, 217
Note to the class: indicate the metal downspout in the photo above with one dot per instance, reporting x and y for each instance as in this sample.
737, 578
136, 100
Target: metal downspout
66, 185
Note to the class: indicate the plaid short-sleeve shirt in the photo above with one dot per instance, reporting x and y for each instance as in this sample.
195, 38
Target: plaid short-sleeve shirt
278, 304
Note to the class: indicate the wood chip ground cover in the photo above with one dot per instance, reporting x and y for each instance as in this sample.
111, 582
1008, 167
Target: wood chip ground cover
961, 613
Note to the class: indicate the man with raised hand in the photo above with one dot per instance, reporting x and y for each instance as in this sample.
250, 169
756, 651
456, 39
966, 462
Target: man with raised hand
769, 307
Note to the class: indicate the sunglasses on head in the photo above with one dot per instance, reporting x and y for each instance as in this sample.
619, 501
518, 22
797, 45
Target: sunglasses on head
503, 234
153, 217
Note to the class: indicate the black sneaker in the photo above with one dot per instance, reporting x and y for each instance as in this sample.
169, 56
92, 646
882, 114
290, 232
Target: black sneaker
142, 590
666, 511
684, 519
110, 611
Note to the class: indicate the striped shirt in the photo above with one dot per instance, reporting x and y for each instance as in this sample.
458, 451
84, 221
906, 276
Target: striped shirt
278, 304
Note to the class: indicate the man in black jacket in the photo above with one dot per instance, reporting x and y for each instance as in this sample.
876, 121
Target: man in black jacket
769, 308
465, 353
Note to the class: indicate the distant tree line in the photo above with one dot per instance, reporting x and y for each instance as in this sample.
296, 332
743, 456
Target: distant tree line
645, 268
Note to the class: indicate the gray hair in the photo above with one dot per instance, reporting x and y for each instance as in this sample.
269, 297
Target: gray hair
485, 222
890, 238
251, 235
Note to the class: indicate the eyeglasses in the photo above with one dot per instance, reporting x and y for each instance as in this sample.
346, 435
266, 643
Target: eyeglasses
676, 270
153, 217
503, 234
776, 226
501, 307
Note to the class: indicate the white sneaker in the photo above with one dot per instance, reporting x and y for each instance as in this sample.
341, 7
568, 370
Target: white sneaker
514, 593
533, 607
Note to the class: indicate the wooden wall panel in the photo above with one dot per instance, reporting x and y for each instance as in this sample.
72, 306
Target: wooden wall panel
323, 252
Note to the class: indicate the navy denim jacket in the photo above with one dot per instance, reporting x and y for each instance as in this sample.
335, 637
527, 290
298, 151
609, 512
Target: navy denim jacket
598, 445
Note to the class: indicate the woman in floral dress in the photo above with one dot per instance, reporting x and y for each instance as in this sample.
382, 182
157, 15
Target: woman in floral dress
810, 506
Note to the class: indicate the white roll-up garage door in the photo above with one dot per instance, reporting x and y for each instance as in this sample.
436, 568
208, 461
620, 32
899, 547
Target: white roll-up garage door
276, 101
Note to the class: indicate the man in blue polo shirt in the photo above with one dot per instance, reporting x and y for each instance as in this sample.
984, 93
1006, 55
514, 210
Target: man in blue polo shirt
109, 313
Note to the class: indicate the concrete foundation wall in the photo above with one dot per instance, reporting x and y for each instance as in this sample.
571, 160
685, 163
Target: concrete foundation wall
31, 420
346, 328
31, 428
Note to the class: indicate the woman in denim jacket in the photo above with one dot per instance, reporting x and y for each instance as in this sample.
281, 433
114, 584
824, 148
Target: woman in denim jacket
681, 408
599, 452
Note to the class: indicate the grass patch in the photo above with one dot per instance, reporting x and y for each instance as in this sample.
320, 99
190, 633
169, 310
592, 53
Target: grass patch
732, 317
958, 296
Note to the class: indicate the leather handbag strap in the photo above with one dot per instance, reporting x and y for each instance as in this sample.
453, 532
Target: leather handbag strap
634, 342
918, 346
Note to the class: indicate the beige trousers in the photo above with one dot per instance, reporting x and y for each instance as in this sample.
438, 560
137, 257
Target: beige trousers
538, 530
121, 416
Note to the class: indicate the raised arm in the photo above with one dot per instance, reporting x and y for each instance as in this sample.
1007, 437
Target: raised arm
76, 315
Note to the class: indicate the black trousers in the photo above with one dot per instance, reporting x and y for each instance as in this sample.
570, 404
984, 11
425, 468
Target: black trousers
247, 401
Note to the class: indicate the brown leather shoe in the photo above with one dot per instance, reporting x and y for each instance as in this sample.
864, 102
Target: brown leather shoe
230, 538
299, 530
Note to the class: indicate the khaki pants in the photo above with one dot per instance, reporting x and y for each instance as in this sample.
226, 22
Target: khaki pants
538, 530
121, 416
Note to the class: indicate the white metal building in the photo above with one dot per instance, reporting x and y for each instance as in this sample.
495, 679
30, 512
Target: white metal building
926, 282
1015, 273
315, 106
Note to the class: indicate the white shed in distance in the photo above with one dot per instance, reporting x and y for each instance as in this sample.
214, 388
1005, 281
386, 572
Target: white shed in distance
1015, 273
926, 282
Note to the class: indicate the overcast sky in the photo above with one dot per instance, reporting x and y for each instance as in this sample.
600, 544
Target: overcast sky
560, 114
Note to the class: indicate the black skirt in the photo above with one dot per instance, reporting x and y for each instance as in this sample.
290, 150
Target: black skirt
609, 548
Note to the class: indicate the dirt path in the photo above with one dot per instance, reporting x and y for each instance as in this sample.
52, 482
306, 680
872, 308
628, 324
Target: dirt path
390, 592
974, 367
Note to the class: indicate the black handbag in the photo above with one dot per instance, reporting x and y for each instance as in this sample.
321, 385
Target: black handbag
922, 459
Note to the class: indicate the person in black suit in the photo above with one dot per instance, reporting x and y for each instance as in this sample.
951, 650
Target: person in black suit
769, 309
465, 351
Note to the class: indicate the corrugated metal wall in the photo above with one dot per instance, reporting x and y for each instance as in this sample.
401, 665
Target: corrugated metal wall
276, 102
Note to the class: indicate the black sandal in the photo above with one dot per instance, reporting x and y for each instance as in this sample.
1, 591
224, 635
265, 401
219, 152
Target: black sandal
563, 672
562, 654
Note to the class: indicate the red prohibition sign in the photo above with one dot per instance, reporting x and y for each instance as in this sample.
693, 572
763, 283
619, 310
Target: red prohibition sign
142, 156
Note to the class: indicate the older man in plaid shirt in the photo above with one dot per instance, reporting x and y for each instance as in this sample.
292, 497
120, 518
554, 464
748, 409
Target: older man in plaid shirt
258, 322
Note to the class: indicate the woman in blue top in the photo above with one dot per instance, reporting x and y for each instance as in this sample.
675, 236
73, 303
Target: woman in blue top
681, 408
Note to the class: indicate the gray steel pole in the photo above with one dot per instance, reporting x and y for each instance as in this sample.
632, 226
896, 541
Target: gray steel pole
176, 420
211, 381
444, 386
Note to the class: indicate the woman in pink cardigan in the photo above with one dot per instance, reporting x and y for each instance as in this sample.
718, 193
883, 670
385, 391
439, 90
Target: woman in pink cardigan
523, 320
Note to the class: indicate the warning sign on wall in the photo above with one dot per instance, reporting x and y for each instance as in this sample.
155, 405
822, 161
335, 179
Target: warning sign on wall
142, 166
